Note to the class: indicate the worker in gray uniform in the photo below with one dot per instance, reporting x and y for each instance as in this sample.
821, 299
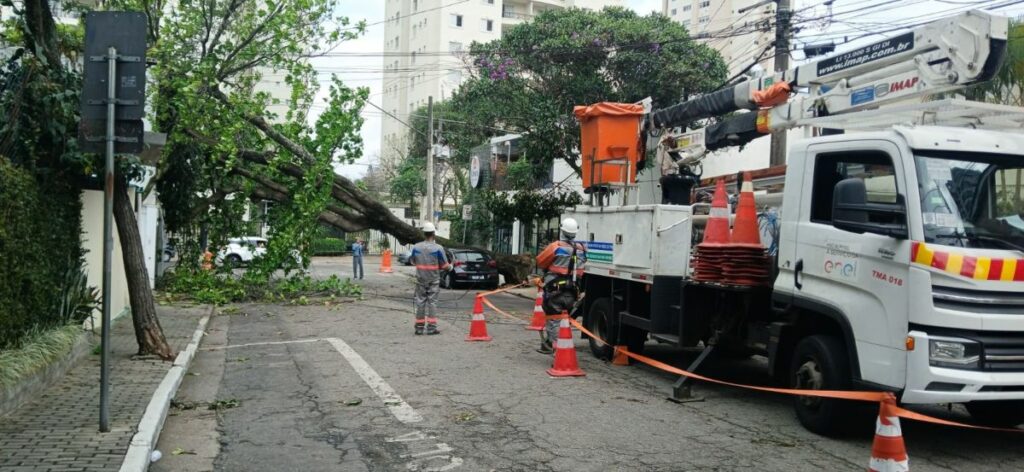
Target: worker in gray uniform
429, 259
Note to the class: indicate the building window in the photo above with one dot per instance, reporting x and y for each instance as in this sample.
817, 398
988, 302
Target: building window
673, 12
456, 20
705, 3
704, 19
414, 57
687, 7
486, 25
454, 47
686, 22
415, 5
488, 2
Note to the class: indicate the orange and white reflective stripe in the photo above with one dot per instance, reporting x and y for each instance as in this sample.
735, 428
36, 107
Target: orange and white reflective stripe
564, 335
478, 317
428, 267
890, 428
974, 267
432, 320
719, 212
888, 465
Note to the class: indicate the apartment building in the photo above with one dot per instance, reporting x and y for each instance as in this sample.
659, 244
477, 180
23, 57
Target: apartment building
424, 44
739, 37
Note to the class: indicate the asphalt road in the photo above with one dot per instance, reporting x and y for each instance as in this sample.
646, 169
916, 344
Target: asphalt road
348, 387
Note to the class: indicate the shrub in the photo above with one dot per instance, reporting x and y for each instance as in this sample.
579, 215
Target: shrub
329, 247
40, 224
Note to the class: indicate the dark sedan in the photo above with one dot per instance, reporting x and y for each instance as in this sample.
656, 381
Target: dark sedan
470, 267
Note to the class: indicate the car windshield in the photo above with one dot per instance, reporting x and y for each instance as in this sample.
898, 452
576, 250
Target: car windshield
972, 200
470, 257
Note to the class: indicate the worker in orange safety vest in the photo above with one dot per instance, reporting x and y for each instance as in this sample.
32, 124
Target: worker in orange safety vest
563, 262
429, 258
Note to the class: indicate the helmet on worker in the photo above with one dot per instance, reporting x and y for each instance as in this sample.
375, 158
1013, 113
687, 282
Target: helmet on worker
429, 229
569, 228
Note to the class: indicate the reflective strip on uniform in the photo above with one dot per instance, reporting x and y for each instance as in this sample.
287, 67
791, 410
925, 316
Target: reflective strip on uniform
428, 267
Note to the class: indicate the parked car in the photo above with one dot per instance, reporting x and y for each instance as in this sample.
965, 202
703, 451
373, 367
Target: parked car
239, 251
470, 267
405, 258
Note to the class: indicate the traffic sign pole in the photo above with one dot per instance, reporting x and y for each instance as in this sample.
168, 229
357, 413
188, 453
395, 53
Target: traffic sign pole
108, 240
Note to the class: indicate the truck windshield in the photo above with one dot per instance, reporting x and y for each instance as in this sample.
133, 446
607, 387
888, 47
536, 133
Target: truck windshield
971, 199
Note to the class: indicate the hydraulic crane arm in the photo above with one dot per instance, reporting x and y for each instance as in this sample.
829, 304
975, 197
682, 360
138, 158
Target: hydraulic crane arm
940, 56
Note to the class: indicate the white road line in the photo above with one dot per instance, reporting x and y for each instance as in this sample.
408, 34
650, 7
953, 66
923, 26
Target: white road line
399, 408
267, 343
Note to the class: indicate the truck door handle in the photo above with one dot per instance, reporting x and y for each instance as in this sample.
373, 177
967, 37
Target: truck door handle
796, 274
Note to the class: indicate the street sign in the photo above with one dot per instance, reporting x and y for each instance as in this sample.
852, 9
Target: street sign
467, 212
128, 136
125, 31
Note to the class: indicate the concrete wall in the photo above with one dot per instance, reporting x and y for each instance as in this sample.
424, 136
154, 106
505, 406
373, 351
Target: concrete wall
92, 242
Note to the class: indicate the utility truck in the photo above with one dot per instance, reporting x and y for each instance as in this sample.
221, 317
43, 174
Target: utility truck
900, 262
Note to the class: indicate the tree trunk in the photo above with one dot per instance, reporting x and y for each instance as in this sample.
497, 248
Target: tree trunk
148, 333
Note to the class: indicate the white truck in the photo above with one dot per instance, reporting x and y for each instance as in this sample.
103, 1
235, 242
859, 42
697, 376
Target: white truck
900, 263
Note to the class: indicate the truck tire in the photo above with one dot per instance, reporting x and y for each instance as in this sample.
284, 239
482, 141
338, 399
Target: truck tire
601, 322
820, 363
997, 413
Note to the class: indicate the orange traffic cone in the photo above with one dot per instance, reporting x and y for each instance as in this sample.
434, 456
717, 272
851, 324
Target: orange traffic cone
744, 230
620, 357
385, 261
537, 323
717, 230
888, 453
478, 327
565, 364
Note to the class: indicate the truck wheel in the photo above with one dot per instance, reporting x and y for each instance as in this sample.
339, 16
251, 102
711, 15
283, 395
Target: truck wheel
820, 363
997, 413
601, 322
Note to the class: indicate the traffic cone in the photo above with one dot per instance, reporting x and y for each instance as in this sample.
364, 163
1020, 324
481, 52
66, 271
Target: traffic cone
478, 327
537, 323
565, 364
716, 232
888, 453
385, 261
620, 357
745, 231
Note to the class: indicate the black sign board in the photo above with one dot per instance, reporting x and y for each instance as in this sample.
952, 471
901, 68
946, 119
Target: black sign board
125, 31
128, 136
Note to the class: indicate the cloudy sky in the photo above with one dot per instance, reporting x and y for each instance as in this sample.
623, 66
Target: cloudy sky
365, 72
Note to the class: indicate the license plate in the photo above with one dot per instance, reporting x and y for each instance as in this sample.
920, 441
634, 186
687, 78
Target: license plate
478, 277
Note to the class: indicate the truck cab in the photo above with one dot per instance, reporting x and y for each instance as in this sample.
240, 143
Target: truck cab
904, 250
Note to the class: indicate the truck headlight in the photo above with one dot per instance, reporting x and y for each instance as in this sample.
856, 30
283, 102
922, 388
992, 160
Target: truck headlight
954, 352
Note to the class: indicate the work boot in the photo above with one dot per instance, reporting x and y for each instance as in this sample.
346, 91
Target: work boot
546, 348
431, 329
419, 329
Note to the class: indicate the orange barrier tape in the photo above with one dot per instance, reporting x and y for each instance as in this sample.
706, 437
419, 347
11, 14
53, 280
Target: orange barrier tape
498, 310
492, 292
838, 394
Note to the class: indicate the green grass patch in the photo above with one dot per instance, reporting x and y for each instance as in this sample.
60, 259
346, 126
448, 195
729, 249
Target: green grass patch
35, 351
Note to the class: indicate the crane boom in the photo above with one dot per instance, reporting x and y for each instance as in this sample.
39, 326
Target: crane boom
940, 56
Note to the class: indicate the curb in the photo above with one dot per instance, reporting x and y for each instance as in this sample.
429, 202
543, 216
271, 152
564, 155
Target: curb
144, 440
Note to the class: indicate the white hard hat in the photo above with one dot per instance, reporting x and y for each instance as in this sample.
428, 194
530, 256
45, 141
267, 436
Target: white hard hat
570, 226
428, 227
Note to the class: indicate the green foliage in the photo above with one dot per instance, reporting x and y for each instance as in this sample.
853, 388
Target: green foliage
36, 350
410, 180
213, 288
529, 206
38, 256
77, 300
329, 247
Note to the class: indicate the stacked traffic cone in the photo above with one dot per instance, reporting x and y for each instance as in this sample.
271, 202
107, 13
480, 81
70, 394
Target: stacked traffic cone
537, 324
748, 263
888, 453
565, 364
385, 261
478, 327
711, 253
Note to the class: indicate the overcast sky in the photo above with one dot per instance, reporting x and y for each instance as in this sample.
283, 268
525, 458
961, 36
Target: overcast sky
365, 72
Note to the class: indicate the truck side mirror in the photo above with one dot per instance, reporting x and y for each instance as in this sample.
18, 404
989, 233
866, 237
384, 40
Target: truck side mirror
852, 212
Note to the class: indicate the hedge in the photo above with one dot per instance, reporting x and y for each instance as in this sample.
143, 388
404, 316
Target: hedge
330, 247
40, 226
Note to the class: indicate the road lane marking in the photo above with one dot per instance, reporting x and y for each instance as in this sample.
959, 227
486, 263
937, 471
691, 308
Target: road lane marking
399, 408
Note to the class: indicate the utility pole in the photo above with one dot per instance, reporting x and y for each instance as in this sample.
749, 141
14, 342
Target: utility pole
430, 159
782, 32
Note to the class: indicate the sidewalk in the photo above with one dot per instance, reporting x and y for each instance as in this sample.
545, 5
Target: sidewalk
59, 431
